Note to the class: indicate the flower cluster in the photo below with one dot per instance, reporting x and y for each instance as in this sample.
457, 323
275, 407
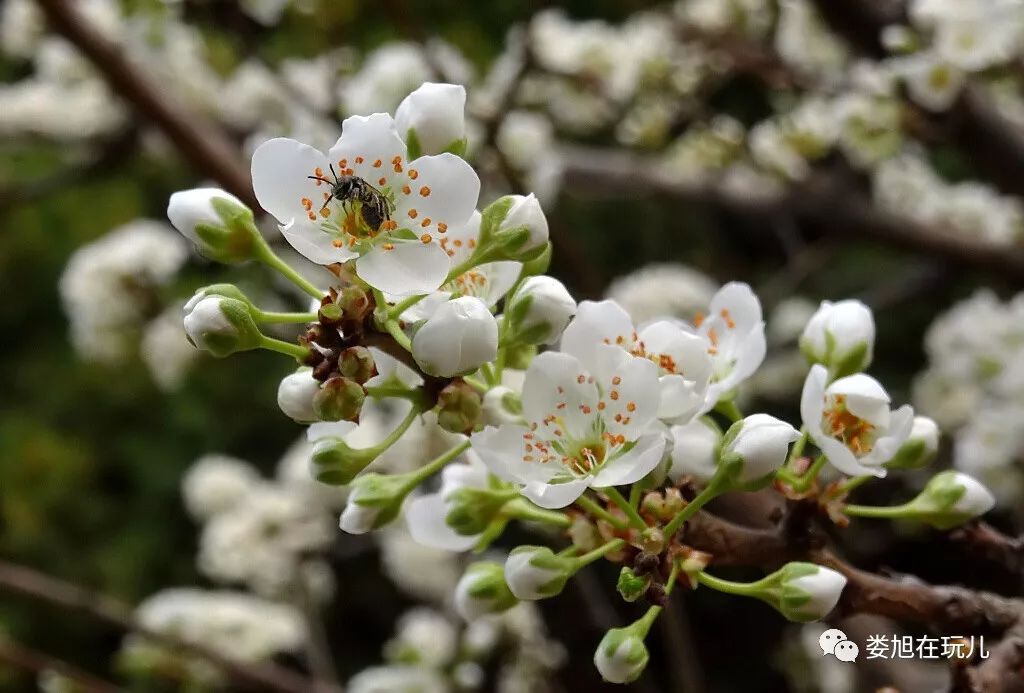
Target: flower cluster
441, 311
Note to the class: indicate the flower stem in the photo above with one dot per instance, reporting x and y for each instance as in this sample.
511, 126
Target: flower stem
850, 484
729, 409
283, 347
395, 330
596, 510
267, 256
744, 589
600, 552
709, 492
631, 513
802, 483
522, 509
876, 511
435, 465
396, 311
643, 625
476, 384
798, 448
268, 316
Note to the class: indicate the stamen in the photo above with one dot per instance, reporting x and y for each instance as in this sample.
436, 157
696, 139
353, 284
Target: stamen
413, 214
426, 222
359, 159
442, 227
414, 174
424, 191
377, 163
426, 238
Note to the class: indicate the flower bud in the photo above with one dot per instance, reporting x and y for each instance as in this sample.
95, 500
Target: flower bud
225, 290
221, 326
295, 395
759, 444
355, 303
471, 510
432, 119
373, 502
920, 448
334, 461
540, 311
458, 338
339, 399
807, 592
622, 655
356, 363
216, 221
950, 499
460, 408
501, 405
694, 451
482, 590
535, 572
840, 336
526, 213
632, 586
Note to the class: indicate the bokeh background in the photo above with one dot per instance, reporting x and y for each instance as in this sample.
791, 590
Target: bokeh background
95, 438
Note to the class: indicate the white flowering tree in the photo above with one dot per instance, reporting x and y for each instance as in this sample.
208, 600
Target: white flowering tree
457, 398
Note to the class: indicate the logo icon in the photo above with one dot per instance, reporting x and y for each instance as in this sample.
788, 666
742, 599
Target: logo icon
834, 642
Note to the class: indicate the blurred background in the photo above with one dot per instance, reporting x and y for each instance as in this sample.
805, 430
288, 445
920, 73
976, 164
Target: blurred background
872, 151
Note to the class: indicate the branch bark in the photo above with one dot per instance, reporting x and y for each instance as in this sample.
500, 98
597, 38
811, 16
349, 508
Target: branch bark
25, 581
208, 148
21, 657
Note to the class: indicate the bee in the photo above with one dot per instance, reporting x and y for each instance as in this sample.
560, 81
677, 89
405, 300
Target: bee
373, 205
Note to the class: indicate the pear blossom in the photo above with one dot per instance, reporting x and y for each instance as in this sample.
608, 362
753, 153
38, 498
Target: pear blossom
541, 309
762, 442
840, 335
425, 198
808, 592
682, 359
426, 514
526, 211
435, 114
851, 423
694, 451
735, 334
458, 338
585, 427
622, 655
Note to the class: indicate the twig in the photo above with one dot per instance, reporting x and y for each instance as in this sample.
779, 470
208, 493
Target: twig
32, 583
988, 542
207, 147
21, 657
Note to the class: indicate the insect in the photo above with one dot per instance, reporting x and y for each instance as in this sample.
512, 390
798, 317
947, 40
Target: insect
374, 207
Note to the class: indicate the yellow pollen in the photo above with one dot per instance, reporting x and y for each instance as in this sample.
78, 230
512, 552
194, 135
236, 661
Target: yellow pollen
388, 246
325, 212
631, 407
398, 168
307, 203
359, 159
698, 319
406, 189
472, 243
581, 379
601, 405
337, 243
616, 380
426, 238
728, 318
457, 243
311, 215
414, 174
382, 181
425, 191
377, 163
614, 394
343, 163
426, 222
413, 214
442, 227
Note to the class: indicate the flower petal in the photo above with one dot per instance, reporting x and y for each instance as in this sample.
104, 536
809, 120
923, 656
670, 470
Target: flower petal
406, 269
554, 496
279, 178
425, 517
368, 146
633, 465
314, 244
596, 323
443, 191
558, 392
629, 390
501, 450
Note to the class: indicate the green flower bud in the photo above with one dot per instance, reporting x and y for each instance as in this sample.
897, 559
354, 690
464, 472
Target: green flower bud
221, 325
535, 572
339, 399
622, 655
920, 448
950, 499
220, 225
374, 500
460, 408
482, 590
471, 510
632, 586
513, 228
337, 463
356, 363
840, 336
355, 303
806, 592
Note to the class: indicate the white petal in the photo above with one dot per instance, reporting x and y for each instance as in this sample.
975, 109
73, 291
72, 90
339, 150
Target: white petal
443, 195
388, 366
554, 496
279, 177
679, 398
425, 517
594, 323
461, 240
740, 301
368, 145
329, 429
314, 244
865, 398
499, 278
501, 450
629, 389
407, 269
812, 400
634, 465
553, 389
688, 351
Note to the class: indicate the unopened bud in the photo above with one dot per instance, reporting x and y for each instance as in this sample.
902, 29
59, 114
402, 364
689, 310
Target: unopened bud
355, 303
631, 585
373, 502
218, 223
920, 448
356, 363
535, 572
482, 590
471, 510
460, 408
950, 499
221, 326
622, 655
339, 399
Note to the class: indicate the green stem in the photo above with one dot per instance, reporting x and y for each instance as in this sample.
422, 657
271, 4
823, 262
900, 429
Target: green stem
476, 384
596, 510
600, 552
267, 256
804, 482
643, 625
394, 436
875, 511
729, 409
403, 305
745, 589
709, 492
435, 465
268, 316
616, 497
798, 448
850, 484
395, 330
522, 509
489, 375
283, 347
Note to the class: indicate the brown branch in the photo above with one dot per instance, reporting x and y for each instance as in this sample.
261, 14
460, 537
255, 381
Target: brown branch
826, 201
986, 541
205, 146
28, 659
31, 583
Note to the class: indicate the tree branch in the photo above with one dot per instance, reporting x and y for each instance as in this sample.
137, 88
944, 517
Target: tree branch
202, 143
21, 657
31, 583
